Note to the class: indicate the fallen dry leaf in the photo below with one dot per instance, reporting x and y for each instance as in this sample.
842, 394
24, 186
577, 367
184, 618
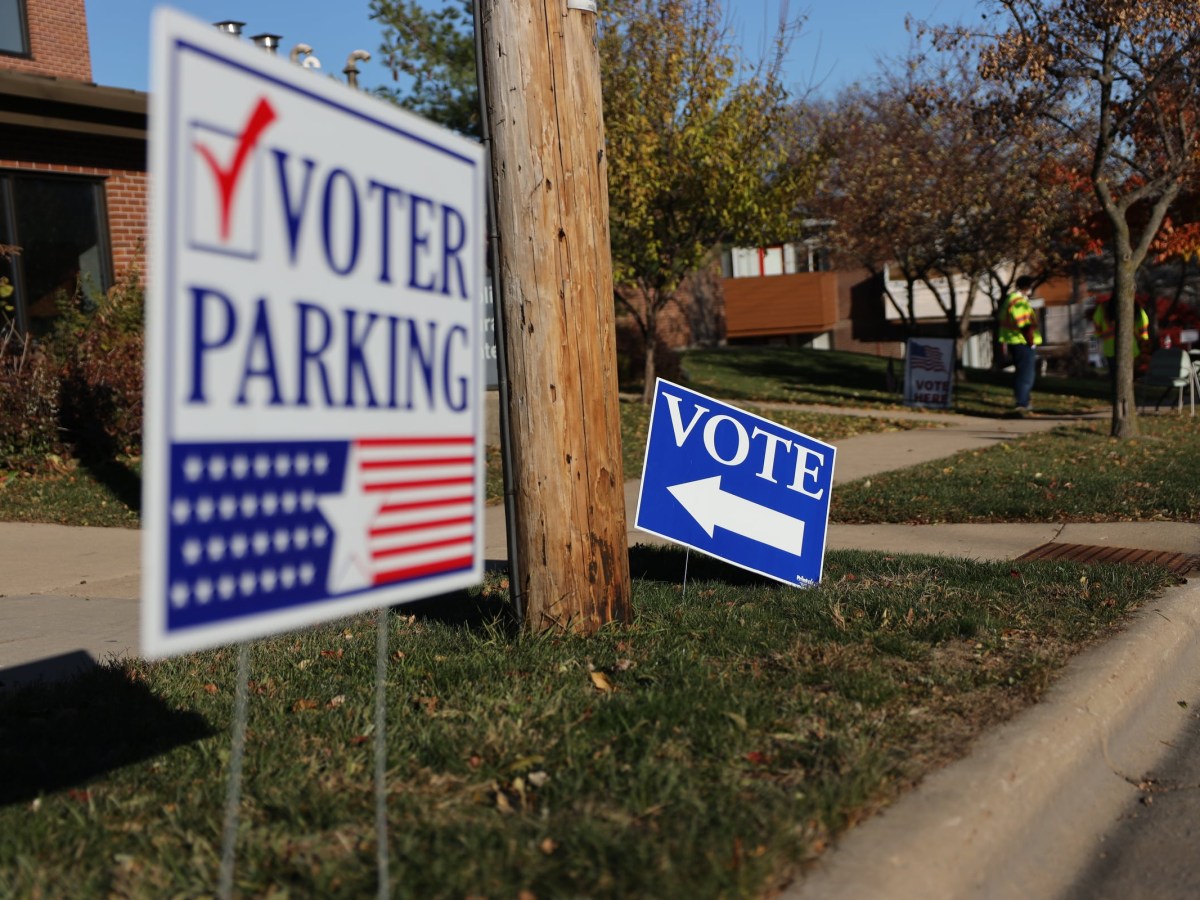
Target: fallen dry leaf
211, 688
502, 803
600, 680
304, 704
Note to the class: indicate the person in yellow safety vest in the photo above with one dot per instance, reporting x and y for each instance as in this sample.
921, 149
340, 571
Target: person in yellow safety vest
1104, 319
1019, 333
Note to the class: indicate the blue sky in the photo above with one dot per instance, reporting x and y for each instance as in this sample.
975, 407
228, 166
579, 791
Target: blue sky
841, 42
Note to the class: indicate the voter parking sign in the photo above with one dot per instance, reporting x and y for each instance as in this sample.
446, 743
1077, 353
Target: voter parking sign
736, 486
314, 363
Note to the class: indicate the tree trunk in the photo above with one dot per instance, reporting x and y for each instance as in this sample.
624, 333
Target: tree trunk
650, 367
542, 74
1124, 410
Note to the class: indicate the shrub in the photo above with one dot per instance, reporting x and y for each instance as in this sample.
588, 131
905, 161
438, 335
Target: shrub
100, 348
29, 424
78, 390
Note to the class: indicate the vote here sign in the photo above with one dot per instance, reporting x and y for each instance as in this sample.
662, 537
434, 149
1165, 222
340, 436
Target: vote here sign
736, 486
314, 363
929, 372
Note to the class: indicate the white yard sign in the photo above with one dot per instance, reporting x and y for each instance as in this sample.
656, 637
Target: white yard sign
929, 373
314, 366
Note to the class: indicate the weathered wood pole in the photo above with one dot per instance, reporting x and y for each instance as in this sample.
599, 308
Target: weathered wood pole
549, 171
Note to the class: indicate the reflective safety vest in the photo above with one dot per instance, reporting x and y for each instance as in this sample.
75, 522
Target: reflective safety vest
1017, 313
1106, 330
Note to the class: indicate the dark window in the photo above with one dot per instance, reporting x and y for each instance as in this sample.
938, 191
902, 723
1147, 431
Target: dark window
59, 230
14, 38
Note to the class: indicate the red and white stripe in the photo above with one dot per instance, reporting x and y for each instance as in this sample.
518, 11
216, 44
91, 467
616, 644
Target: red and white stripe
426, 521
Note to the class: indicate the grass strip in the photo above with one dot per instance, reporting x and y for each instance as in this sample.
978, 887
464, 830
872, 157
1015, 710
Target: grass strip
65, 492
703, 750
1074, 473
838, 378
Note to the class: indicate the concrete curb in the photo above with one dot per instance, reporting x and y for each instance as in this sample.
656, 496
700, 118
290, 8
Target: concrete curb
1022, 815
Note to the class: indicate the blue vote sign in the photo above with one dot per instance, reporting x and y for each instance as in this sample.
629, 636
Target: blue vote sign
736, 486
314, 371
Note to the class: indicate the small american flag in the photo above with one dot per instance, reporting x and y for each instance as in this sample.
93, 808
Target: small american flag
925, 357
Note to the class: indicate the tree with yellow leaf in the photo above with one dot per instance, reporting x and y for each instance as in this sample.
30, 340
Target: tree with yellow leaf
696, 135
696, 146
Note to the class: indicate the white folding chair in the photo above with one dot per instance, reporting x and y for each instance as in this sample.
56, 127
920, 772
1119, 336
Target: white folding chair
1173, 369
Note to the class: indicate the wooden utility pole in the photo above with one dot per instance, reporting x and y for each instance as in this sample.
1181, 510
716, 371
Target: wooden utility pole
542, 88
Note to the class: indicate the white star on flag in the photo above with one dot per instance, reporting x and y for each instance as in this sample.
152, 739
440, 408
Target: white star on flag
406, 511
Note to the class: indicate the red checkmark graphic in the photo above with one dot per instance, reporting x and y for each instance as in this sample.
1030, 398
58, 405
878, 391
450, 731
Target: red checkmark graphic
227, 176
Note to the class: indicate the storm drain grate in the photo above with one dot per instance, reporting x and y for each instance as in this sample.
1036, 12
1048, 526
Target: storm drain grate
1179, 563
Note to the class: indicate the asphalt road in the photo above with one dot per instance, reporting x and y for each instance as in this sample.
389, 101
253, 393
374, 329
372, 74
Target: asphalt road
1151, 851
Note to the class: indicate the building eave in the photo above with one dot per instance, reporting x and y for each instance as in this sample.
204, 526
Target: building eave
60, 104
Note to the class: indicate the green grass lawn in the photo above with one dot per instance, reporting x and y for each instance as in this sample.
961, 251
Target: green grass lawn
855, 379
65, 492
703, 750
1075, 473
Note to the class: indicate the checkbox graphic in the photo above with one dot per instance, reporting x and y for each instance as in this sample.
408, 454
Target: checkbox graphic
225, 184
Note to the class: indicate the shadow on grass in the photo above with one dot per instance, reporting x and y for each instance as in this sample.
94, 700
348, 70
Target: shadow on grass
492, 607
123, 481
466, 609
666, 564
56, 735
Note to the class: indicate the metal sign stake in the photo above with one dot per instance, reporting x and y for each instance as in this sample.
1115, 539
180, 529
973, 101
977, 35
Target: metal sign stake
381, 663
233, 794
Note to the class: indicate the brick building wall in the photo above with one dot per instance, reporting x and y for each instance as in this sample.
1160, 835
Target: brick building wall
58, 41
58, 44
120, 164
127, 195
674, 330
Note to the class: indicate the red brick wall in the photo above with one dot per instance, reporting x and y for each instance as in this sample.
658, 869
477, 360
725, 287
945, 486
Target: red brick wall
674, 331
58, 41
128, 198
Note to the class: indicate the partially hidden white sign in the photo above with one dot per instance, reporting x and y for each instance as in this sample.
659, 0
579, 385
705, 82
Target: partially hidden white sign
929, 372
314, 362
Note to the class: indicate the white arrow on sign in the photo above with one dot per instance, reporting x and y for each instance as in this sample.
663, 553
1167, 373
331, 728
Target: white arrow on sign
710, 506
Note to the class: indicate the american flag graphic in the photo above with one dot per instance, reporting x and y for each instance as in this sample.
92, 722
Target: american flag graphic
423, 493
926, 357
256, 526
